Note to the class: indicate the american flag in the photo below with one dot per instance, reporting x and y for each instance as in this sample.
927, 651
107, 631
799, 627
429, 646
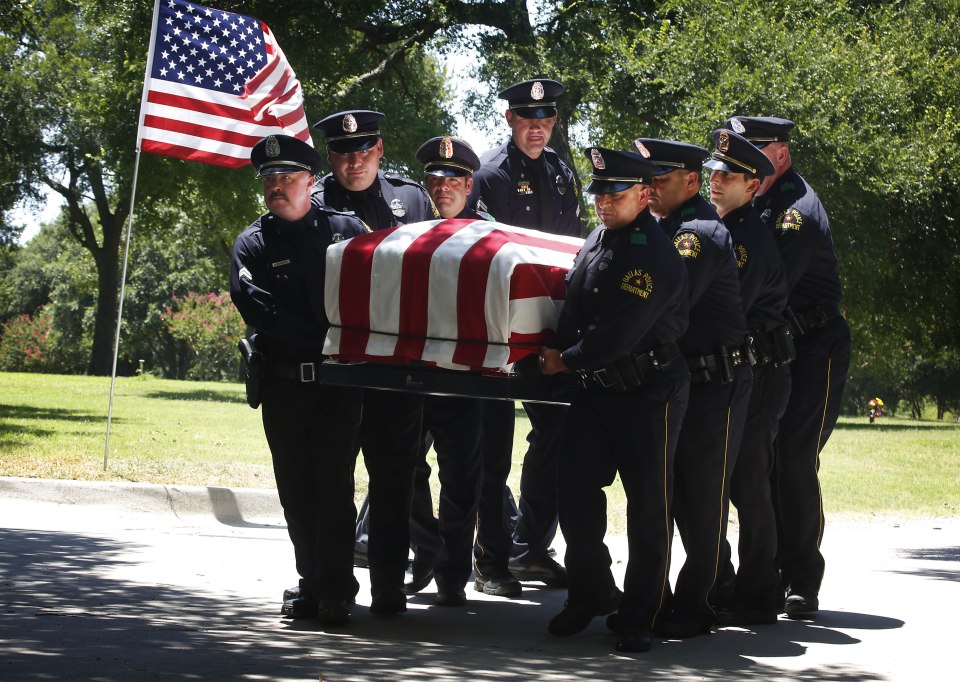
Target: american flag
216, 84
458, 294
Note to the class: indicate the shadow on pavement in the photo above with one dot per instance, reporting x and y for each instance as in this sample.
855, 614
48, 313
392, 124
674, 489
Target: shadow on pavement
68, 613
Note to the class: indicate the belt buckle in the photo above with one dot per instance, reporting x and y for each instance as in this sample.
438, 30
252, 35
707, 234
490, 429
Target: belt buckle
603, 378
307, 372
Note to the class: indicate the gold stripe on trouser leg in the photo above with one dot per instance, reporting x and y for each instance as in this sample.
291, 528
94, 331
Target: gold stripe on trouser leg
816, 459
723, 488
666, 512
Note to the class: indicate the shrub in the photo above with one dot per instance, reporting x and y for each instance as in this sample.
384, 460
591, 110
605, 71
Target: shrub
29, 344
210, 326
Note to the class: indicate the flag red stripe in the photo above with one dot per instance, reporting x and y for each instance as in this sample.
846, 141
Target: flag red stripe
415, 286
531, 280
191, 154
197, 130
355, 294
522, 345
202, 106
471, 297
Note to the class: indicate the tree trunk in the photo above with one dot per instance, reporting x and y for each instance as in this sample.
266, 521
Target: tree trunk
107, 259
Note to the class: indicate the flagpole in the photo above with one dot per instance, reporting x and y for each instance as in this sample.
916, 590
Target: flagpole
123, 285
126, 248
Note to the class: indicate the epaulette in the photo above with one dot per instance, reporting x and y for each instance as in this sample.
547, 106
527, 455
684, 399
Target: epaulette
395, 179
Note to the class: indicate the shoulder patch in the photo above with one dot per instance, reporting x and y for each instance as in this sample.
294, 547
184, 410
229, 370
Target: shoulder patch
741, 253
688, 244
638, 283
790, 219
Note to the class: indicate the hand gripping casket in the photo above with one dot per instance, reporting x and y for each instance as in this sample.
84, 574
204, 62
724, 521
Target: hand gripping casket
458, 294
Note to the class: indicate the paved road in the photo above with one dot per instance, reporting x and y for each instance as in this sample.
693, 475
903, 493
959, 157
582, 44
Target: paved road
135, 582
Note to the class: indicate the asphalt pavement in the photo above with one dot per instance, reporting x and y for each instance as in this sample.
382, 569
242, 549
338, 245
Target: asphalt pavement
134, 582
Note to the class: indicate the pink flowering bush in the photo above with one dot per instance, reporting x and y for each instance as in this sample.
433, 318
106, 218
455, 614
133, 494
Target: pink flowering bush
29, 344
210, 326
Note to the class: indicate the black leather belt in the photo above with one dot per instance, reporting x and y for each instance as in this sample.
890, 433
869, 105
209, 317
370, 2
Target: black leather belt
817, 316
628, 373
302, 372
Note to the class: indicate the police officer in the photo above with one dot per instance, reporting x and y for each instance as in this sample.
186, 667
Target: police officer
736, 171
276, 282
716, 347
786, 202
390, 431
524, 183
626, 307
454, 423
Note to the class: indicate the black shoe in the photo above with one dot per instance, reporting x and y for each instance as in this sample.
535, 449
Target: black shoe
547, 571
448, 595
334, 612
575, 618
801, 607
291, 593
743, 616
420, 576
634, 640
389, 604
301, 607
615, 622
498, 585
681, 627
360, 559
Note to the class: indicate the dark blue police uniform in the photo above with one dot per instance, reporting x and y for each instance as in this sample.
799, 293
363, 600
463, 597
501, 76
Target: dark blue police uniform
541, 194
802, 233
626, 308
752, 594
390, 431
715, 346
443, 546
276, 282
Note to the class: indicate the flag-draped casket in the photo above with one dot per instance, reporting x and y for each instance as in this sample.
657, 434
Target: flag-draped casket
457, 294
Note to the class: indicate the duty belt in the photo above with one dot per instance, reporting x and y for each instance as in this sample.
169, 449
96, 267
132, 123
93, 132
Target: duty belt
302, 372
629, 372
814, 318
703, 368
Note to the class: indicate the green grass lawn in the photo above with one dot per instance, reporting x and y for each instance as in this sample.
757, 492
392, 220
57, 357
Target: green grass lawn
193, 433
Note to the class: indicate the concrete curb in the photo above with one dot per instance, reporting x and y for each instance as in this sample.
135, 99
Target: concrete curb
226, 505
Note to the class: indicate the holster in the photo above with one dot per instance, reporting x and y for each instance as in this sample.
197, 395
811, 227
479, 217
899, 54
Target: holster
784, 350
253, 371
762, 348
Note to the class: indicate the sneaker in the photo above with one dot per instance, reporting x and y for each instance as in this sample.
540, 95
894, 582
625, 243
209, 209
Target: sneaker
498, 585
547, 571
291, 593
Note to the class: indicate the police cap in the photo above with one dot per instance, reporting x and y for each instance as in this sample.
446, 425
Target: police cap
284, 154
761, 130
614, 171
535, 98
351, 131
447, 156
735, 154
670, 155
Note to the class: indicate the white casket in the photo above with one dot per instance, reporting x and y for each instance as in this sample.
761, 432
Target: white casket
457, 294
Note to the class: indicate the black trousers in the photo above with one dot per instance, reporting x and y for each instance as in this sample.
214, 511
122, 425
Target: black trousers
706, 453
494, 526
634, 434
455, 425
312, 433
531, 528
390, 439
818, 375
756, 584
